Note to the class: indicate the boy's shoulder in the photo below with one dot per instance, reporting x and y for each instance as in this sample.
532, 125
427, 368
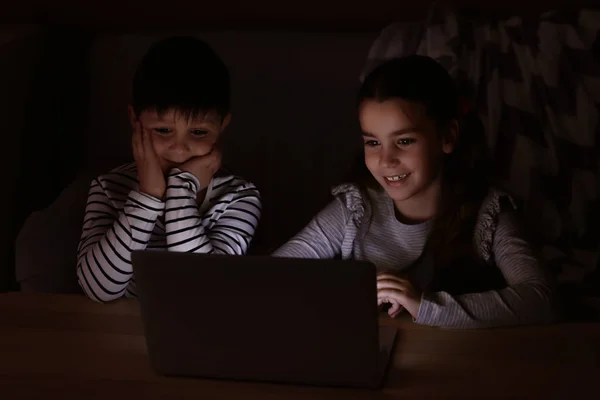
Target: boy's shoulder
120, 177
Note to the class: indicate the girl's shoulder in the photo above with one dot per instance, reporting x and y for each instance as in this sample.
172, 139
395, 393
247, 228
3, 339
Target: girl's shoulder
495, 202
353, 197
349, 191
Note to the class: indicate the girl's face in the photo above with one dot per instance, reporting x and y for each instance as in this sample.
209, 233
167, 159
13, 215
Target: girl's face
403, 148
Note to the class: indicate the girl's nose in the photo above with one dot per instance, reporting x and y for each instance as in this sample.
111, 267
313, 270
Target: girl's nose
389, 158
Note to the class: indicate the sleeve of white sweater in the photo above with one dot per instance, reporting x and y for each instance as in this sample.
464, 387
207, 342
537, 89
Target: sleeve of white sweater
323, 236
526, 300
230, 228
108, 237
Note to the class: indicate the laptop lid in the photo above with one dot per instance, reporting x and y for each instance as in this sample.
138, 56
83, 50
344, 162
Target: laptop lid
260, 318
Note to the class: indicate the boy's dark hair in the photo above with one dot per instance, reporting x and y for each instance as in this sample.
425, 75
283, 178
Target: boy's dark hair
423, 80
181, 73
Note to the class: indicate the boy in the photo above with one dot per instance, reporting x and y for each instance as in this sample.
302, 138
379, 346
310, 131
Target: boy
172, 197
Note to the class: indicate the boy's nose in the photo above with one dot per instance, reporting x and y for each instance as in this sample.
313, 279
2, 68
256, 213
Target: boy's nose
180, 145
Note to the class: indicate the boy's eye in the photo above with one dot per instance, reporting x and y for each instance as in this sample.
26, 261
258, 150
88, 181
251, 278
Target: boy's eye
371, 143
406, 141
199, 132
162, 131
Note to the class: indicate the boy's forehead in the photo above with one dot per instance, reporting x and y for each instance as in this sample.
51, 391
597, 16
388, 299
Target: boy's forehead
174, 115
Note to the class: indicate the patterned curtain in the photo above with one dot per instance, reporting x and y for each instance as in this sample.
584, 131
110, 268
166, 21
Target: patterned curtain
536, 85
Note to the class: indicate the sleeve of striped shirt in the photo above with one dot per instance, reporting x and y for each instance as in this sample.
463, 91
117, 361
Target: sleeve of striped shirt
109, 236
323, 236
527, 299
233, 229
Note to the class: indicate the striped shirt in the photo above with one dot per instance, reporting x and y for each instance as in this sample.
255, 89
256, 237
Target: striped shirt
361, 226
119, 219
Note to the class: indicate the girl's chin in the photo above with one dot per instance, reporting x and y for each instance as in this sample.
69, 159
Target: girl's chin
398, 193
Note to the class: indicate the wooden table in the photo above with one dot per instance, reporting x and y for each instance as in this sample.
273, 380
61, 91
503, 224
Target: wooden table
68, 347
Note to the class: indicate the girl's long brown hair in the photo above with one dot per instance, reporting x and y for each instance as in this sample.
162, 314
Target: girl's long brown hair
465, 176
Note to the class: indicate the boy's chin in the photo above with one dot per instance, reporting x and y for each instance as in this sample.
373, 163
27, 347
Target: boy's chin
167, 166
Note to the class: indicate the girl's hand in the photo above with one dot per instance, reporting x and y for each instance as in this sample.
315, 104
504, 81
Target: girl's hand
398, 292
150, 174
204, 167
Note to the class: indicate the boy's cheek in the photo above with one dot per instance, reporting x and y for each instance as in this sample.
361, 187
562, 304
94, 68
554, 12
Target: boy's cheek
159, 146
203, 149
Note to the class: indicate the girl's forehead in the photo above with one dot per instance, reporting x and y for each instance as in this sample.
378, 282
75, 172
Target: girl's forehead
396, 107
396, 114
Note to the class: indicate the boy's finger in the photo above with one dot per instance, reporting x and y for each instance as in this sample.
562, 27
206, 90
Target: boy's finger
215, 158
136, 143
139, 129
148, 147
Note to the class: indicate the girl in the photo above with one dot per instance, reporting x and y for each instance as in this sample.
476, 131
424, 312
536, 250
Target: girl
447, 246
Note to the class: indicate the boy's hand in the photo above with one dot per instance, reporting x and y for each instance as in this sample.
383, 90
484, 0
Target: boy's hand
150, 174
398, 292
204, 167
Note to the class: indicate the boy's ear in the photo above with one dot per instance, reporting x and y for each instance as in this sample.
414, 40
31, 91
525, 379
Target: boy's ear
225, 122
132, 117
450, 139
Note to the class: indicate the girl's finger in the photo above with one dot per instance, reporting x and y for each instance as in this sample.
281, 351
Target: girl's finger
393, 295
391, 284
394, 315
394, 309
388, 276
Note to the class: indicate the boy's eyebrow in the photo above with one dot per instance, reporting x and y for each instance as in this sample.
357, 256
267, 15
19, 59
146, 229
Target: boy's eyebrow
199, 121
160, 118
404, 131
203, 122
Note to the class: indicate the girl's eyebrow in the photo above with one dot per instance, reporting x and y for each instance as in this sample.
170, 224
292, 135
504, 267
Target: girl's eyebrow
410, 129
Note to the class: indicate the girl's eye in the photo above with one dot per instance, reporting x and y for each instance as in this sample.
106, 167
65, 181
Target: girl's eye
371, 143
162, 131
406, 142
199, 133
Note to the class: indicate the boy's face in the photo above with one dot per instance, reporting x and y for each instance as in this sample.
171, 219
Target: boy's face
177, 139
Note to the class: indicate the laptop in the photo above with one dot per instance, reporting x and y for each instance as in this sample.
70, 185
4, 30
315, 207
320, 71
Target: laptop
251, 318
